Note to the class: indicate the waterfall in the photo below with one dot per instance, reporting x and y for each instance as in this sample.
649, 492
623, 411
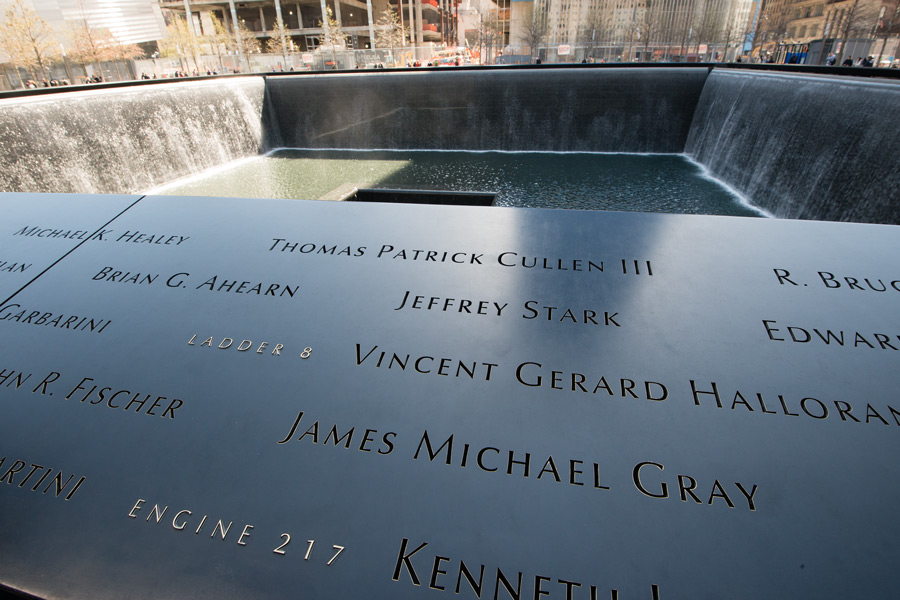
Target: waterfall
605, 110
803, 146
128, 139
796, 145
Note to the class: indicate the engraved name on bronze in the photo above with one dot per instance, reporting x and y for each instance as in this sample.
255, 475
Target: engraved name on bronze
88, 392
68, 234
7, 266
624, 266
530, 310
646, 477
833, 338
423, 364
534, 374
183, 280
711, 393
443, 573
530, 374
156, 239
508, 259
283, 245
38, 478
16, 313
843, 282
135, 237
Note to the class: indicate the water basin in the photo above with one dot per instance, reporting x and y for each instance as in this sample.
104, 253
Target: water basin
629, 182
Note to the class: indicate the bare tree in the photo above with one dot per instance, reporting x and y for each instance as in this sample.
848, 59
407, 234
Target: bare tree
489, 36
686, 17
859, 18
279, 41
731, 29
9, 45
126, 53
700, 27
6, 68
534, 34
219, 40
709, 24
648, 25
602, 20
887, 25
245, 42
669, 28
28, 39
181, 43
771, 28
632, 32
93, 45
389, 32
332, 35
89, 45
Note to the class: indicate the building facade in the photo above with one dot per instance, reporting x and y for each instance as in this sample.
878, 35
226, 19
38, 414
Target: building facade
645, 30
424, 21
809, 31
130, 21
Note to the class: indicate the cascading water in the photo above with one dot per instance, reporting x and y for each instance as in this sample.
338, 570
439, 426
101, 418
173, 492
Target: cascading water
798, 146
585, 110
128, 139
803, 146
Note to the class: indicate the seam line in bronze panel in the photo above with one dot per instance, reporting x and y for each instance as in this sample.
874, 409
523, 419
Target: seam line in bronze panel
73, 249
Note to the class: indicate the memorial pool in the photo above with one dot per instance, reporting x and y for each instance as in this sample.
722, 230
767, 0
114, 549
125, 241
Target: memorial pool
630, 182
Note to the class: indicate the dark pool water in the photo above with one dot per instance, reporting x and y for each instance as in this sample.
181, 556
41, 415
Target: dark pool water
631, 182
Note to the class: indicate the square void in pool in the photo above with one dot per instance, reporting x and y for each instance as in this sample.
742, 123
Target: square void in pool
633, 182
